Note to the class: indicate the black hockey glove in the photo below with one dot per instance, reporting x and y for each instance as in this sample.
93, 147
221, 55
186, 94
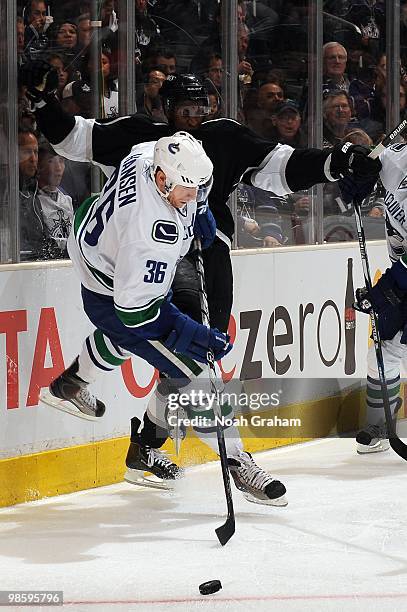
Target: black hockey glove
40, 79
389, 303
352, 160
352, 190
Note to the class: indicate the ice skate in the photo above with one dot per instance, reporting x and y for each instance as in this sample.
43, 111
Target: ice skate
161, 470
256, 485
374, 438
70, 394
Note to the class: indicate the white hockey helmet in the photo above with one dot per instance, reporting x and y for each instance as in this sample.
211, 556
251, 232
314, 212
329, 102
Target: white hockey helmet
183, 160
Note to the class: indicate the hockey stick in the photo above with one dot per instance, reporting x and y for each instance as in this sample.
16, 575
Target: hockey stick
225, 531
396, 444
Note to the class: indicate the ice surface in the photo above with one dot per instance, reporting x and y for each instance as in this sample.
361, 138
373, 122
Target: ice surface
340, 544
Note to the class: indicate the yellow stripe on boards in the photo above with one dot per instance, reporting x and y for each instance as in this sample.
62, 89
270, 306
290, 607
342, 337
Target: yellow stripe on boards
55, 472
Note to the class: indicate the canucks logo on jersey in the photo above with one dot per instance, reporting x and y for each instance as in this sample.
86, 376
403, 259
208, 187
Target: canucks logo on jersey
165, 231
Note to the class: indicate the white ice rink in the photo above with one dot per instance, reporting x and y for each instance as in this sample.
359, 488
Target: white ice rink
340, 544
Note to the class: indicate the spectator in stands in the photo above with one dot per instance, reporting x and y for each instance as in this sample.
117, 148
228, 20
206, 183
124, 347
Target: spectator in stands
258, 220
259, 104
285, 125
253, 117
211, 44
214, 70
77, 95
247, 228
56, 206
337, 115
159, 58
59, 62
85, 31
261, 18
108, 33
241, 12
245, 66
26, 117
149, 102
369, 16
214, 101
358, 136
65, 37
162, 58
32, 237
211, 73
378, 114
362, 87
334, 57
108, 15
35, 40
381, 70
271, 92
20, 41
147, 31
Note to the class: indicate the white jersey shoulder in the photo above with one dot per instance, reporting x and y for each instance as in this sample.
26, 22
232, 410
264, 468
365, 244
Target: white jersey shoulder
127, 242
394, 178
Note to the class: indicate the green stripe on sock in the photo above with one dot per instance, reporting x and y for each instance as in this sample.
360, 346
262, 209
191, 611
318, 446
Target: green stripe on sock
104, 351
378, 394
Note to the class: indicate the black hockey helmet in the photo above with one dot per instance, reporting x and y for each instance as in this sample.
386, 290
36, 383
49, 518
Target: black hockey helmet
178, 88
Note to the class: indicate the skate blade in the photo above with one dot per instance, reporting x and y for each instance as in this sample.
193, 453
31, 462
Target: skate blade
64, 406
379, 447
279, 501
138, 477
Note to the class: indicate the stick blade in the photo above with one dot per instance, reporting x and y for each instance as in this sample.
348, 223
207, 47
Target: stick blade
225, 531
399, 447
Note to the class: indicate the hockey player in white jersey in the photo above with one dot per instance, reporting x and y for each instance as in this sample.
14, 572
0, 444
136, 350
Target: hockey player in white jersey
388, 298
125, 245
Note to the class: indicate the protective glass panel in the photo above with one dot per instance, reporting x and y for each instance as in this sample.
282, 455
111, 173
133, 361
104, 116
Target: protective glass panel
354, 104
80, 40
273, 72
5, 201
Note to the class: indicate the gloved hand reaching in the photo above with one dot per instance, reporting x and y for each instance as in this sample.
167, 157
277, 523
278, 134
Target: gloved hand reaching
353, 160
194, 340
40, 79
355, 191
205, 225
388, 301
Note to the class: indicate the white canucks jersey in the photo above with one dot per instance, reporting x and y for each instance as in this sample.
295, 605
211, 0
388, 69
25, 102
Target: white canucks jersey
394, 178
128, 241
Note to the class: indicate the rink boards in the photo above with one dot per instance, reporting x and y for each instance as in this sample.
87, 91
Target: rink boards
289, 329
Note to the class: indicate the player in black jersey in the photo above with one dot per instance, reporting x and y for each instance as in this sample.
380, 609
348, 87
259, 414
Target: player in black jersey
236, 152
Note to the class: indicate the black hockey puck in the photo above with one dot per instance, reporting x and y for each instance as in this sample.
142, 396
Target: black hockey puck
212, 586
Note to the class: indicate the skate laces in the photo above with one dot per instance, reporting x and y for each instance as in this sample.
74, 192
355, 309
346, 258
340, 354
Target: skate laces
377, 431
87, 398
156, 457
254, 475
